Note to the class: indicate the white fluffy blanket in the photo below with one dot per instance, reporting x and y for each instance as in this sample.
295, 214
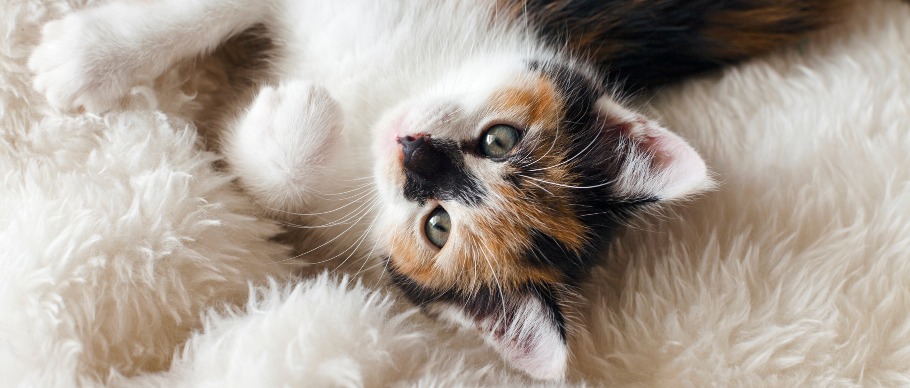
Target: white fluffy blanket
127, 259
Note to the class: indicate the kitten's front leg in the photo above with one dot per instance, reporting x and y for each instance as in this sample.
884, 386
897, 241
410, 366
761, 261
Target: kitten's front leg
285, 145
91, 58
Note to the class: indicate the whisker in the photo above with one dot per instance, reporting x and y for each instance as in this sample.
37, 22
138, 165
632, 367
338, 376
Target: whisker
569, 160
339, 235
361, 196
385, 265
542, 188
474, 278
358, 243
364, 214
502, 296
547, 153
341, 221
368, 196
356, 188
358, 179
370, 253
568, 186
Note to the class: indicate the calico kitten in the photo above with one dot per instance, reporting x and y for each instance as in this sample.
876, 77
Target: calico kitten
499, 163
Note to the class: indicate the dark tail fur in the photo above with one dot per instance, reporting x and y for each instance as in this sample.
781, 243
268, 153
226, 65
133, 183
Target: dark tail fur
646, 43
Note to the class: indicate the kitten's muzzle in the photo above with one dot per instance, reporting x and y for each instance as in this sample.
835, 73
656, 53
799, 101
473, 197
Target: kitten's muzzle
435, 169
421, 158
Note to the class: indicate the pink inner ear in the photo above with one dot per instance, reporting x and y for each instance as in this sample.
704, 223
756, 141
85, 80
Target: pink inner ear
526, 337
662, 164
530, 341
661, 150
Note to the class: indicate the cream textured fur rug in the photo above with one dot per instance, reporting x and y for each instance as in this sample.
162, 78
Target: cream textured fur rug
127, 259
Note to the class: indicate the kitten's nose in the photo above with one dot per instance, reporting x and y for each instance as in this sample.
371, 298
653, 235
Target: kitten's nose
420, 157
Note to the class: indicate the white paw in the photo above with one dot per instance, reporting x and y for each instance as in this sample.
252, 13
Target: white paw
286, 143
83, 62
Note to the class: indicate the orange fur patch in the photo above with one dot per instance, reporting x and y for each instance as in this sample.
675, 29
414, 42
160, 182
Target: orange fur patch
534, 102
757, 30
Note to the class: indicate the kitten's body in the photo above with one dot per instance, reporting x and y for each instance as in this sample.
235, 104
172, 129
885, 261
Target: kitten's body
360, 80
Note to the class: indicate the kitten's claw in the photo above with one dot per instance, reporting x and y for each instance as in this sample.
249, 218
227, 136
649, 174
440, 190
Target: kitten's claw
285, 143
80, 64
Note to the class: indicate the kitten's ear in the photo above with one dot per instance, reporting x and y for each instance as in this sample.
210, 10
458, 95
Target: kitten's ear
527, 328
660, 164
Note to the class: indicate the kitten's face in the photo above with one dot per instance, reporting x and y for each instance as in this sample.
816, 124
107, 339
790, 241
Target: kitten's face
491, 194
500, 188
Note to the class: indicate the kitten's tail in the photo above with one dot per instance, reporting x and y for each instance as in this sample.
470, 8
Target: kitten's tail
652, 42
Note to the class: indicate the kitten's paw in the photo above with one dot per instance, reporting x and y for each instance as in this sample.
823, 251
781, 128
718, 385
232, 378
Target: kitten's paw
83, 63
286, 143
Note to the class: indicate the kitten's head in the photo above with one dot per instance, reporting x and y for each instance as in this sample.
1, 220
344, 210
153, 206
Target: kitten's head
503, 184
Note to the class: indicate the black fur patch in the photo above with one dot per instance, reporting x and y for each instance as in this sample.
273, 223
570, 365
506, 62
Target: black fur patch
650, 43
550, 252
486, 302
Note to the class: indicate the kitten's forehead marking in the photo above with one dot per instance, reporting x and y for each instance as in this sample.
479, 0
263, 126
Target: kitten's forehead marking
532, 100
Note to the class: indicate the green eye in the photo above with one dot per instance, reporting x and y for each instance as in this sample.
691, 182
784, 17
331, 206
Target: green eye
497, 141
438, 226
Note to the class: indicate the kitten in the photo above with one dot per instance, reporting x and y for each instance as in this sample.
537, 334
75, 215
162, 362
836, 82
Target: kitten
499, 163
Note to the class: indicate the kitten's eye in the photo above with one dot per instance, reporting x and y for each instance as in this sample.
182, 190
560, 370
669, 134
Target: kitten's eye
498, 140
438, 226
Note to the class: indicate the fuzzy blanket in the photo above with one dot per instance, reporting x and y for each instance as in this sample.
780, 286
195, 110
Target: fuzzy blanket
128, 259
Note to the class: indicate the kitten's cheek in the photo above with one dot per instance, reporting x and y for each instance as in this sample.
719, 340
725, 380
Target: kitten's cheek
389, 144
387, 139
389, 176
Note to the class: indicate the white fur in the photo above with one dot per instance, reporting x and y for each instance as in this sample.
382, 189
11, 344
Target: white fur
92, 58
116, 235
285, 144
361, 339
794, 273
